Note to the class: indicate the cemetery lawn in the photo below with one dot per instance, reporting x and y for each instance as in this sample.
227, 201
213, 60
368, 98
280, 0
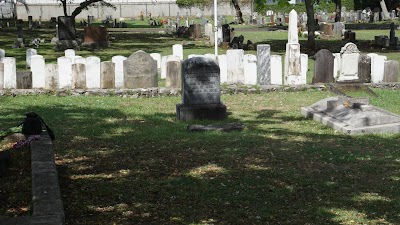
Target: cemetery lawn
127, 161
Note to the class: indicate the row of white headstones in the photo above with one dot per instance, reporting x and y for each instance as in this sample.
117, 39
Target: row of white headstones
235, 66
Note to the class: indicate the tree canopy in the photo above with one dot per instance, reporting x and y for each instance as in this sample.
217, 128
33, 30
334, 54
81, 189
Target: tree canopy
84, 6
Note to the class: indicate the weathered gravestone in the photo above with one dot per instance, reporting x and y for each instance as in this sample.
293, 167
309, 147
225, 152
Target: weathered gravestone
51, 76
78, 76
24, 79
323, 67
1, 75
364, 68
10, 73
37, 68
391, 71
107, 75
352, 116
140, 71
2, 54
263, 64
95, 36
200, 91
349, 62
174, 68
66, 28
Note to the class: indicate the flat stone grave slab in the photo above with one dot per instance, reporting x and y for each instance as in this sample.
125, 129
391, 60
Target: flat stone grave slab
216, 127
352, 116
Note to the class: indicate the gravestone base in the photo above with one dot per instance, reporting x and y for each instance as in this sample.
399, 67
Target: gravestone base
293, 80
63, 45
94, 45
201, 112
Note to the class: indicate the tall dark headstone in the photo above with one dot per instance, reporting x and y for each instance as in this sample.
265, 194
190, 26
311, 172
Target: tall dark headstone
66, 28
200, 91
364, 68
323, 67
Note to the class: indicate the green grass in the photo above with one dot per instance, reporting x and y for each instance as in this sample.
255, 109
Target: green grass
127, 161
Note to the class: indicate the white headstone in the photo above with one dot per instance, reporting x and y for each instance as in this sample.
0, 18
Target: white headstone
69, 53
293, 35
64, 72
92, 72
177, 50
119, 70
208, 29
29, 53
385, 12
304, 67
1, 76
276, 69
349, 62
338, 28
377, 67
210, 56
235, 66
2, 54
51, 76
223, 67
10, 73
78, 76
336, 65
157, 57
37, 68
292, 56
164, 67
174, 67
250, 69
79, 59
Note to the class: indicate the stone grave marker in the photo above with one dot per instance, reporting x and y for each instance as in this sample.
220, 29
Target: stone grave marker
37, 68
250, 69
10, 73
323, 67
66, 28
96, 36
235, 66
157, 57
51, 77
391, 71
140, 71
24, 79
69, 53
119, 70
293, 65
263, 64
163, 70
174, 68
2, 54
364, 68
93, 72
276, 70
29, 53
78, 76
177, 50
377, 67
64, 72
1, 76
107, 75
349, 62
200, 91
223, 68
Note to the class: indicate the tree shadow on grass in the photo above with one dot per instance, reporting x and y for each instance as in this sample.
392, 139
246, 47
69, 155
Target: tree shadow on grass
123, 167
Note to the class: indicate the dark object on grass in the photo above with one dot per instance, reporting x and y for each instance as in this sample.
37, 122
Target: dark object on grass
32, 125
217, 127
237, 42
5, 161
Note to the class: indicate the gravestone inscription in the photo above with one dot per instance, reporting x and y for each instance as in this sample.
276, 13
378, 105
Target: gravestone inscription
200, 90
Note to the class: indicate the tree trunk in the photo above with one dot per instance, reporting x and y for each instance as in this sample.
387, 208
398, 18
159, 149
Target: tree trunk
310, 25
238, 11
64, 5
338, 10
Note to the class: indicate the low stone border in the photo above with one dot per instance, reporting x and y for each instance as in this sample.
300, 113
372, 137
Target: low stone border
47, 205
164, 92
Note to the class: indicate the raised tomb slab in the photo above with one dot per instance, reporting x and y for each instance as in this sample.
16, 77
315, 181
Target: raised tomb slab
352, 116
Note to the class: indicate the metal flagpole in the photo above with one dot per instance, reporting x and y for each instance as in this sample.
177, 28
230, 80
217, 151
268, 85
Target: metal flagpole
215, 28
